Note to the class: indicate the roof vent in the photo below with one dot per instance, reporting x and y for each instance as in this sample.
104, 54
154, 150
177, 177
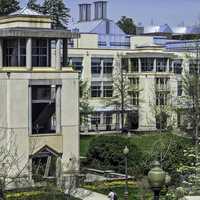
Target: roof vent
84, 12
100, 10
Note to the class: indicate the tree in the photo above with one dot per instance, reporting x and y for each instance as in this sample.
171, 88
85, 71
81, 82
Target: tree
58, 11
84, 106
121, 87
127, 25
32, 4
7, 7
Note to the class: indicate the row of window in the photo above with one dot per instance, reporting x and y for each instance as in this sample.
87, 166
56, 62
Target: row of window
101, 89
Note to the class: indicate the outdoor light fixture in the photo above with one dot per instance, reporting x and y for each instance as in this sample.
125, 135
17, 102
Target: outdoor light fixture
157, 179
126, 151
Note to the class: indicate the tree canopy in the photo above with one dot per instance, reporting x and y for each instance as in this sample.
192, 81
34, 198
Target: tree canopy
32, 4
58, 11
127, 25
7, 7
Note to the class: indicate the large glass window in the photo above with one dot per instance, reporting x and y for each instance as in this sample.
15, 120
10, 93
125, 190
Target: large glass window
108, 65
14, 52
147, 64
194, 66
161, 64
43, 109
96, 118
107, 90
96, 89
40, 48
96, 65
134, 96
178, 66
134, 65
77, 63
161, 98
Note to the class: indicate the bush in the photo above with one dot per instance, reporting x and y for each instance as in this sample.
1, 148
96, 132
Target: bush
106, 152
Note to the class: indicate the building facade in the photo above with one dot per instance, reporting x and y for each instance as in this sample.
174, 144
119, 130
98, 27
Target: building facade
152, 65
39, 116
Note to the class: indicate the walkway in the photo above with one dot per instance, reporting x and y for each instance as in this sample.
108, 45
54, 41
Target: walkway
89, 195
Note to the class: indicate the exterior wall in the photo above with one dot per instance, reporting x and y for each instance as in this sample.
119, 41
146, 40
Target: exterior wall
26, 22
141, 41
87, 41
15, 105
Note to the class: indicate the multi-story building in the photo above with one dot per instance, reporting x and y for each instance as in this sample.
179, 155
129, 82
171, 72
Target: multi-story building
151, 69
39, 116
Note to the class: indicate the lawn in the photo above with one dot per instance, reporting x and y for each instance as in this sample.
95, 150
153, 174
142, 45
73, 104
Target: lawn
118, 187
143, 141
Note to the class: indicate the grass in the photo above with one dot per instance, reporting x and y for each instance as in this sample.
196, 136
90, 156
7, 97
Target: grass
84, 144
145, 141
118, 187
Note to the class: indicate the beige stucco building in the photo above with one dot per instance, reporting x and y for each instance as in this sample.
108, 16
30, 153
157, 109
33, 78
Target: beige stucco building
39, 116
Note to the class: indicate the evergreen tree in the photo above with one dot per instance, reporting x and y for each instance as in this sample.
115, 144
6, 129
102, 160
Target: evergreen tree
127, 25
32, 4
7, 7
58, 11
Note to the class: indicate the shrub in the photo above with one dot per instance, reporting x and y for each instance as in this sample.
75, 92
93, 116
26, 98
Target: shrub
106, 152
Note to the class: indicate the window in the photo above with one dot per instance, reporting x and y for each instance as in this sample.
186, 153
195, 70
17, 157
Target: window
161, 64
43, 109
178, 66
134, 82
77, 62
40, 53
15, 52
134, 96
124, 63
107, 120
161, 98
162, 83
194, 66
179, 88
134, 65
96, 89
107, 90
96, 65
95, 119
44, 164
147, 64
108, 65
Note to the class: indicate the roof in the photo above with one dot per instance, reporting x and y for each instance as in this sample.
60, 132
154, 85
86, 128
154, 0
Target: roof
27, 12
158, 29
99, 27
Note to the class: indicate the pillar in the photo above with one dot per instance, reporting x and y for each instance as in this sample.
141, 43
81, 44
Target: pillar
168, 62
58, 54
30, 109
1, 53
139, 65
29, 53
154, 65
58, 109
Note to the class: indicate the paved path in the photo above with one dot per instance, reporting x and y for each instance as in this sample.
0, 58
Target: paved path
193, 198
89, 195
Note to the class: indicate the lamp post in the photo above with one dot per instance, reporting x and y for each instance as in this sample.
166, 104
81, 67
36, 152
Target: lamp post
126, 151
157, 179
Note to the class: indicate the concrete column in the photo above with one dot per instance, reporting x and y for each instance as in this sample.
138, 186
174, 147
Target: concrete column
154, 65
29, 53
58, 54
58, 109
168, 62
139, 65
102, 62
1, 53
129, 65
30, 109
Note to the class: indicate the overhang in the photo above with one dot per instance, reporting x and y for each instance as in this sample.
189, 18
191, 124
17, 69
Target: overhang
37, 33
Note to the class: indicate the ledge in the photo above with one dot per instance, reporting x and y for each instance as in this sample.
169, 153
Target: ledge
36, 70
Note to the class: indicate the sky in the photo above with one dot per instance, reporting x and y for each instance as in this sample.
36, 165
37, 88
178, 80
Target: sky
147, 12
